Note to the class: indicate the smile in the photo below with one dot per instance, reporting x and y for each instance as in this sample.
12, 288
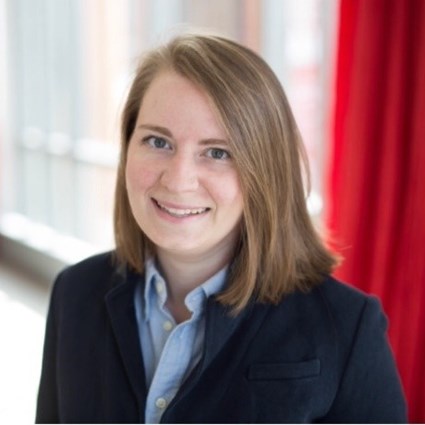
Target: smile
180, 213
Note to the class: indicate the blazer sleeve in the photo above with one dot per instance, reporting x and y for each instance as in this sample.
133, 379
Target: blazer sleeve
47, 401
370, 390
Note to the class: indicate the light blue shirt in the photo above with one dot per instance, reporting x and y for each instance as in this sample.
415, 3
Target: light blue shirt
170, 351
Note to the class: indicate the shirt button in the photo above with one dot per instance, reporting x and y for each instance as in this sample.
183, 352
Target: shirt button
159, 287
161, 403
167, 325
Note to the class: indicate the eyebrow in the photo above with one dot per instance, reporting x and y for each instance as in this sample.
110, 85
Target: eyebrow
166, 132
157, 129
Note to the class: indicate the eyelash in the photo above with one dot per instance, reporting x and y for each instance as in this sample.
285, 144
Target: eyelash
150, 140
226, 154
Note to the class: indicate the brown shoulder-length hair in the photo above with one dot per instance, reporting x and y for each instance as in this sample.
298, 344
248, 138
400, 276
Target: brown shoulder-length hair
279, 250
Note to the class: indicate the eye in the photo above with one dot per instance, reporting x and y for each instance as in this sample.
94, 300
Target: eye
156, 142
217, 153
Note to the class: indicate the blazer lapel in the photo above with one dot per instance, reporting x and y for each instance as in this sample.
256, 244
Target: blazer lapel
221, 325
120, 306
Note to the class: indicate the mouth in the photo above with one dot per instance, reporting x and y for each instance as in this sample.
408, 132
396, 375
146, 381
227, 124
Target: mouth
180, 212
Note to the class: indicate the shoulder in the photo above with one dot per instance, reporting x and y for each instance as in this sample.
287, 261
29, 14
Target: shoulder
331, 298
80, 291
92, 267
350, 318
93, 276
344, 301
332, 311
347, 308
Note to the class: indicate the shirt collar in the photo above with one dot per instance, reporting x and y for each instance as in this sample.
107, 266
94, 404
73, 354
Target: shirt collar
195, 300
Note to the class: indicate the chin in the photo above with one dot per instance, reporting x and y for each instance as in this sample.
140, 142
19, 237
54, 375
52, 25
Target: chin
181, 248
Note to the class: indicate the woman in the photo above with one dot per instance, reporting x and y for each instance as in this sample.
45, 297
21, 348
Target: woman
217, 304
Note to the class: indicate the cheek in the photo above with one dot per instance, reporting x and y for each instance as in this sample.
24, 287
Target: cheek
228, 194
139, 176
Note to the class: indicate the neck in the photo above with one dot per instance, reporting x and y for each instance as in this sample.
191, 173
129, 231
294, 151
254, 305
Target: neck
184, 273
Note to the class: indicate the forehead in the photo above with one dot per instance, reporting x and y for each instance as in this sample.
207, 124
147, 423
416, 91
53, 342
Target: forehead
167, 86
173, 100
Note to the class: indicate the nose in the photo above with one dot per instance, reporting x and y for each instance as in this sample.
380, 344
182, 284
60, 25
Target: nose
180, 174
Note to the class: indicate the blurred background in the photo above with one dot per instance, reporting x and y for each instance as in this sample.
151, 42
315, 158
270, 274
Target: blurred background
353, 72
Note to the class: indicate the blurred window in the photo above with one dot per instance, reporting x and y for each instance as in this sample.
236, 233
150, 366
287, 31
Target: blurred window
68, 67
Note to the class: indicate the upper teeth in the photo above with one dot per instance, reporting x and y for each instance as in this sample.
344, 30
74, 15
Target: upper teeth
181, 212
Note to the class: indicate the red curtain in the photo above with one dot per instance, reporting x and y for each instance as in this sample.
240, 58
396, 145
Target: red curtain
376, 185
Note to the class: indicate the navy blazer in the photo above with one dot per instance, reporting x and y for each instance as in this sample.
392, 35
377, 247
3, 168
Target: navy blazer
316, 357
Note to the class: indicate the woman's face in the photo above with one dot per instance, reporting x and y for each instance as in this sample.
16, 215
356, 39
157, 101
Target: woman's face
182, 184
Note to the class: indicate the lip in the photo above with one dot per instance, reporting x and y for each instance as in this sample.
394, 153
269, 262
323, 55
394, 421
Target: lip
178, 206
176, 218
